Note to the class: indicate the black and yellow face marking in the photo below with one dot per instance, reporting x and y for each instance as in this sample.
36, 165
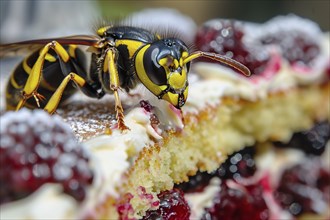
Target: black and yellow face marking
160, 67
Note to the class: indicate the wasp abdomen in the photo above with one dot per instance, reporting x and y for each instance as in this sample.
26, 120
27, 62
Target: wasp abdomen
51, 78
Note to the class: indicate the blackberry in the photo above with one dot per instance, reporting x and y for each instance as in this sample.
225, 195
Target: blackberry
296, 37
304, 188
37, 148
311, 141
225, 37
196, 183
172, 206
238, 165
238, 204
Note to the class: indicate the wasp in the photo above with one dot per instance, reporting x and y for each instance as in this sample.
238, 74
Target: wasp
122, 56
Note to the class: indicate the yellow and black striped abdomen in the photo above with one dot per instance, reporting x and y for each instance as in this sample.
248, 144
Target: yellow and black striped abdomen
51, 78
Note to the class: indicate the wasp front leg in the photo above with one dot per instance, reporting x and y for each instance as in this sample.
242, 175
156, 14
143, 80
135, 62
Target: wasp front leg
111, 68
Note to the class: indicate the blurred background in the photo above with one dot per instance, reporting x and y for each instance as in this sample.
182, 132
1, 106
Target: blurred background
25, 19
250, 10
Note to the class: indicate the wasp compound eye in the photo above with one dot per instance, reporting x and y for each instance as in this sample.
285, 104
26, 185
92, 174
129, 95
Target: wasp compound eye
155, 72
151, 72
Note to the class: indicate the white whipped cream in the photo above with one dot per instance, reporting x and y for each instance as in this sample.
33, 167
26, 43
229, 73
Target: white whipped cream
274, 161
48, 202
198, 201
219, 81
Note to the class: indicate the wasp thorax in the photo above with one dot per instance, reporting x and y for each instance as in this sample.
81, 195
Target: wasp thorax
160, 67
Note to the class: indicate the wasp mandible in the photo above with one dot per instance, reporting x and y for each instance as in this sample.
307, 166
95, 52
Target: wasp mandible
121, 57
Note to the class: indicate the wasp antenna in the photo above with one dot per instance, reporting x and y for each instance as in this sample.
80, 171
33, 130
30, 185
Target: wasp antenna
222, 59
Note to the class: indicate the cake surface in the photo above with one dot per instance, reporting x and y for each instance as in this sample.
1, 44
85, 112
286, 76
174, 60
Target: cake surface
165, 147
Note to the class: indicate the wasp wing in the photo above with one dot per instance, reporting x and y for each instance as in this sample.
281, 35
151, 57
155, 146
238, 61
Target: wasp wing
23, 47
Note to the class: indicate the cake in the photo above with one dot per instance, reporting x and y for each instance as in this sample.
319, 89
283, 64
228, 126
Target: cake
241, 148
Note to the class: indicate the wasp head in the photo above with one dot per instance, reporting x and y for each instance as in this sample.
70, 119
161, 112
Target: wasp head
161, 68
